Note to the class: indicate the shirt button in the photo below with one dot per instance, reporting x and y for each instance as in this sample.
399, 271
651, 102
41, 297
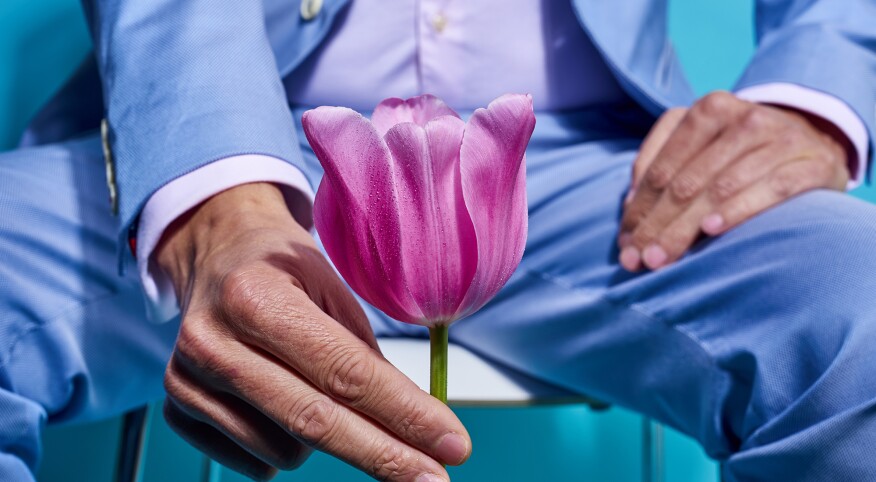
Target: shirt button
439, 22
310, 9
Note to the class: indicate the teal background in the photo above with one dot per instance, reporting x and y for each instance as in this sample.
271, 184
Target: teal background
40, 45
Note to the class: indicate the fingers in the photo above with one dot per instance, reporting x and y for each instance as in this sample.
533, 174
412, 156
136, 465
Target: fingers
695, 130
286, 324
216, 445
754, 186
274, 354
743, 173
301, 410
786, 181
328, 425
725, 161
674, 225
676, 238
234, 418
652, 144
670, 226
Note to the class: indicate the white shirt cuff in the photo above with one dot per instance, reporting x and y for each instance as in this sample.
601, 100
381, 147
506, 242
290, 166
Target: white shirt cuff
823, 105
186, 192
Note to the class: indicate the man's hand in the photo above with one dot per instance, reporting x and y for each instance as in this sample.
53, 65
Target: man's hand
275, 356
709, 168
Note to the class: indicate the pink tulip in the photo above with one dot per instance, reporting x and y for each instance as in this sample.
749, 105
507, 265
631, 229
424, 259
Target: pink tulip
423, 214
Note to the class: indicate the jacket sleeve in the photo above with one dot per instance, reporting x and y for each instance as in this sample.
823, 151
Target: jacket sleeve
827, 45
186, 83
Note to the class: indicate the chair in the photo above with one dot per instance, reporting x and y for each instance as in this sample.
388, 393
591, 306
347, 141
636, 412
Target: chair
37, 38
473, 383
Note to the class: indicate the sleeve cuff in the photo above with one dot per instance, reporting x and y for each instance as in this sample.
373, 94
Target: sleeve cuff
189, 190
822, 105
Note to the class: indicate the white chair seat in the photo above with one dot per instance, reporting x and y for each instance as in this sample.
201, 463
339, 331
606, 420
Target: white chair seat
472, 381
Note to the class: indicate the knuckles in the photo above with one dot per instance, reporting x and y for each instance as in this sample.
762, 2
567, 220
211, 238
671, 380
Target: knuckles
658, 176
715, 104
251, 301
724, 187
757, 120
390, 463
351, 375
312, 420
684, 188
412, 422
243, 293
200, 349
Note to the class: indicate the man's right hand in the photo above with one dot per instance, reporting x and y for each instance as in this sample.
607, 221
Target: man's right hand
275, 356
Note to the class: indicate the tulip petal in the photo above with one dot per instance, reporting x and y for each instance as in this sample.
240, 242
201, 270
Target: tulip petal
419, 110
493, 169
439, 248
355, 209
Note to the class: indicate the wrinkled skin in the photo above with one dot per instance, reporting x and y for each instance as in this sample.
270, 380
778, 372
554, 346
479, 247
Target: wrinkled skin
709, 168
275, 357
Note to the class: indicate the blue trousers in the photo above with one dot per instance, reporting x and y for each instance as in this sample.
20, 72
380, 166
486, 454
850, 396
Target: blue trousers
758, 343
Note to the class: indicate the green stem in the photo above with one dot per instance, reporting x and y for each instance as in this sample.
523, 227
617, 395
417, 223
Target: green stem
438, 379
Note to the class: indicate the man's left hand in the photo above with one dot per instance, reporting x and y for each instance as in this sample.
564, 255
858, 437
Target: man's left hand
709, 168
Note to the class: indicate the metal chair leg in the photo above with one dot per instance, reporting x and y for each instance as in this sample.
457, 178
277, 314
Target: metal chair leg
211, 470
135, 434
653, 455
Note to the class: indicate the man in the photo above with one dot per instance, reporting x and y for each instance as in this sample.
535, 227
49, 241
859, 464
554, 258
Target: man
754, 340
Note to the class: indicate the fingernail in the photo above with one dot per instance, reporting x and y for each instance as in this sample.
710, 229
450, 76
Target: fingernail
624, 239
629, 258
712, 223
630, 195
654, 256
429, 478
452, 449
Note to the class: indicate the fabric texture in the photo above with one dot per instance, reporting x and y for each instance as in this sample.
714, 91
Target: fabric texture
756, 343
435, 47
74, 344
461, 51
177, 115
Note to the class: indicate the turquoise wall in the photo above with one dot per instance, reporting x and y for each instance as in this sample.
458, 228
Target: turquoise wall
42, 42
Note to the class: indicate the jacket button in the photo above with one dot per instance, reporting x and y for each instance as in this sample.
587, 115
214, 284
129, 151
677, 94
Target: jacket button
310, 9
110, 167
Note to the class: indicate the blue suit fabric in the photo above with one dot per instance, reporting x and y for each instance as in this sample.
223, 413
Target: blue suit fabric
757, 343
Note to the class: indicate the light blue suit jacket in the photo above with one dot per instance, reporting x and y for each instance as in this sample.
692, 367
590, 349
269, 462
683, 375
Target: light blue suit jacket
186, 83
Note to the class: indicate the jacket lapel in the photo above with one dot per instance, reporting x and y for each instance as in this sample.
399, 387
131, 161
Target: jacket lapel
632, 37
